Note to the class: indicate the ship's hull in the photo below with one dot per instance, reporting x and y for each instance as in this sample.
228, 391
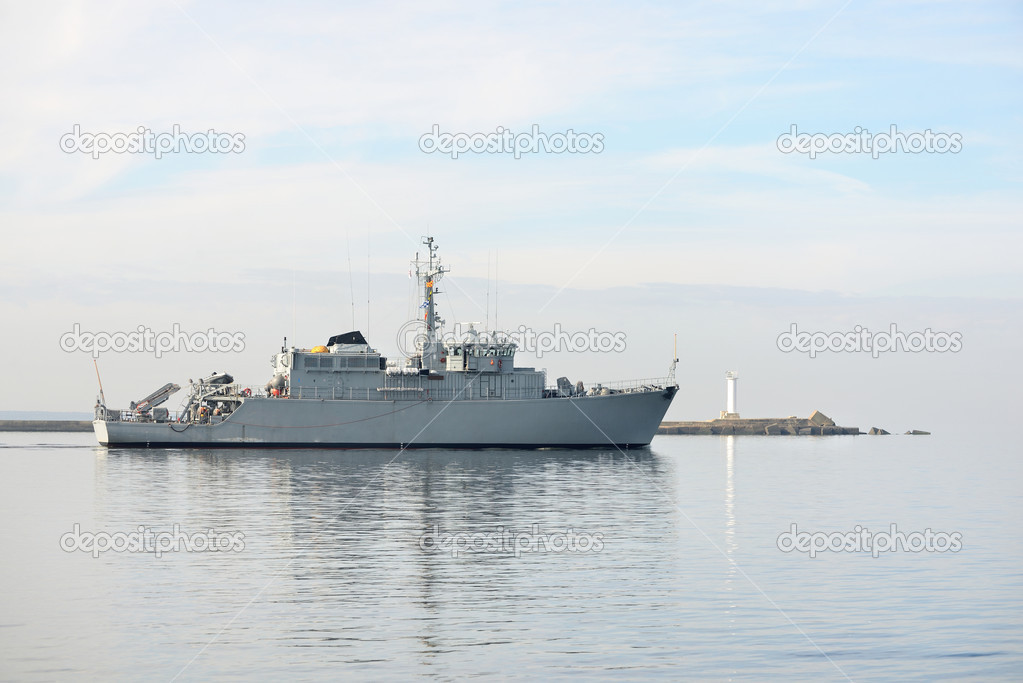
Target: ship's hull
625, 420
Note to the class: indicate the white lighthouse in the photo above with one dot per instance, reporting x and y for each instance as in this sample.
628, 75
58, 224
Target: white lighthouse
731, 408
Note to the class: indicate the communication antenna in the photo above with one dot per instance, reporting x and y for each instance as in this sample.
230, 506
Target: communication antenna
487, 310
368, 234
674, 362
351, 281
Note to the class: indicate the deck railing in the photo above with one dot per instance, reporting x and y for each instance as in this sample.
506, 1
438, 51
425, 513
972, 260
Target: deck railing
631, 385
235, 390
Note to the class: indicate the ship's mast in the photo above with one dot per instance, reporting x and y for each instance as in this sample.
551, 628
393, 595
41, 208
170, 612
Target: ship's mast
429, 272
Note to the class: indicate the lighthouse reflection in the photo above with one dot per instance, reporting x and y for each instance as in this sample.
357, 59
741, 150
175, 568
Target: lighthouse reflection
730, 545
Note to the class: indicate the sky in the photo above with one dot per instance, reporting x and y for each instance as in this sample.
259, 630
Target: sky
689, 219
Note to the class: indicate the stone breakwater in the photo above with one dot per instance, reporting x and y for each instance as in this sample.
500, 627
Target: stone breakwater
45, 426
818, 424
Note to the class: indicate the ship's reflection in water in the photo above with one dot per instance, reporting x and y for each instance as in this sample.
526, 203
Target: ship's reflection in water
656, 563
415, 559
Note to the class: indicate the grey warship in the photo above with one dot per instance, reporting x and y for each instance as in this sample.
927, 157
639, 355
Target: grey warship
446, 393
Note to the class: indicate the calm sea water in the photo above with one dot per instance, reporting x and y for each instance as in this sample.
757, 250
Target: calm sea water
658, 563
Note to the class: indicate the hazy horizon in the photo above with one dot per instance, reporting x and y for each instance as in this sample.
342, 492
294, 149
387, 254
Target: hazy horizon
719, 328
